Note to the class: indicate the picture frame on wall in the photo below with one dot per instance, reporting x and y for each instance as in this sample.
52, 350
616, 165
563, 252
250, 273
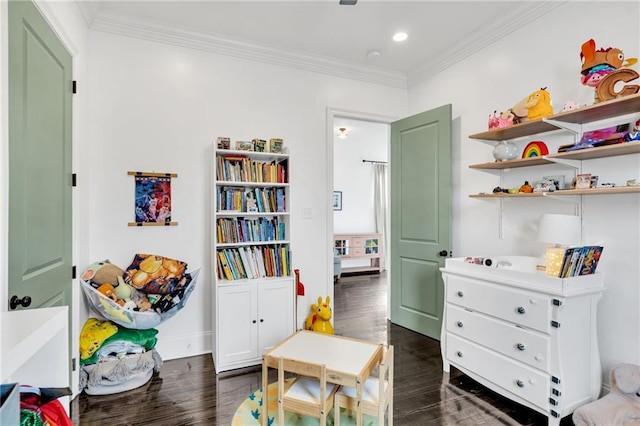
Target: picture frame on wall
337, 200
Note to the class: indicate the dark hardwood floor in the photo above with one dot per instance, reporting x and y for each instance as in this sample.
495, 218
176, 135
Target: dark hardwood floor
188, 392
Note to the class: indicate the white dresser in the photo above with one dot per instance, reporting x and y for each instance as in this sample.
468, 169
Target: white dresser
529, 337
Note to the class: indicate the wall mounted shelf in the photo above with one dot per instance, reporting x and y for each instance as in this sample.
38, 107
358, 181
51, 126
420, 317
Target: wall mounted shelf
566, 192
601, 111
583, 154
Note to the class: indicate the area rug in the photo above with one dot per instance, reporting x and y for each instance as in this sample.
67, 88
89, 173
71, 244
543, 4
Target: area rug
250, 411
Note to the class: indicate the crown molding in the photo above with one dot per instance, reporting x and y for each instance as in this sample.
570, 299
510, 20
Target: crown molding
152, 31
513, 19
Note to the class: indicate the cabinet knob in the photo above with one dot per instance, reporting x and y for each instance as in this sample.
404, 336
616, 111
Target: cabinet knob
520, 383
521, 310
261, 320
460, 294
459, 353
460, 324
520, 346
254, 321
443, 253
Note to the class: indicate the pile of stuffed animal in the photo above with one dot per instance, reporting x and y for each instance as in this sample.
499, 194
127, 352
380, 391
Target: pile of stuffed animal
151, 289
115, 358
117, 350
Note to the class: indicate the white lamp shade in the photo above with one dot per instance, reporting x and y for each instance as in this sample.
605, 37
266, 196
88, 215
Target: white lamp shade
560, 229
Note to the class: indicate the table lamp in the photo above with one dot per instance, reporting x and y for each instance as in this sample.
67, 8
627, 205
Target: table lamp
561, 230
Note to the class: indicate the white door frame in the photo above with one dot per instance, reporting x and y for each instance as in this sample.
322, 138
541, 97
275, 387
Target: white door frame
332, 113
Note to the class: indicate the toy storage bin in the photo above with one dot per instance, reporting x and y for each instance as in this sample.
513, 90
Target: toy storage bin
106, 308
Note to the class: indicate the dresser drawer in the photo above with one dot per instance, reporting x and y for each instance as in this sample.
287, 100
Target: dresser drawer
527, 309
530, 347
510, 375
357, 242
357, 251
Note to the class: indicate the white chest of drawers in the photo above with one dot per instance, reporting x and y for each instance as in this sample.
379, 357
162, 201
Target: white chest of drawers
529, 337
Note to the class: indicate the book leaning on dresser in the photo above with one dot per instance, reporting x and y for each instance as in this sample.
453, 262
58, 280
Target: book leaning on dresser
580, 261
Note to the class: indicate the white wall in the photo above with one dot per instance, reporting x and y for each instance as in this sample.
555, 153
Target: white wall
156, 107
365, 141
546, 53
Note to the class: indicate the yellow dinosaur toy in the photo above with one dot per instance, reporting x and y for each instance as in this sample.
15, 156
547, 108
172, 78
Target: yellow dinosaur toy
319, 319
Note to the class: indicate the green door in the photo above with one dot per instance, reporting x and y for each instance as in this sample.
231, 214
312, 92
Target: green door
420, 218
40, 232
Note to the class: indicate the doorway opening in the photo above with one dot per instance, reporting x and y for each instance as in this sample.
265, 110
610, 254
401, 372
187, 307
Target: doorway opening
358, 152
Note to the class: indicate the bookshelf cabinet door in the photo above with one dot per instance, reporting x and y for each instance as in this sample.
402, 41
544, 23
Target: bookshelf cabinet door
237, 323
275, 313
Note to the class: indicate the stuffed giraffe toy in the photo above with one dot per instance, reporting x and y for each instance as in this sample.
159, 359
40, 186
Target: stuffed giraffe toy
319, 319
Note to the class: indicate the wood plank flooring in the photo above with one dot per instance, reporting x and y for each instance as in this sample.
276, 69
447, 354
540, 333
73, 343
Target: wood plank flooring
188, 392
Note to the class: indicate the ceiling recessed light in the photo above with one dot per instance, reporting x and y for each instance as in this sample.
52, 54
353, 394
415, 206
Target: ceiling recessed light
400, 36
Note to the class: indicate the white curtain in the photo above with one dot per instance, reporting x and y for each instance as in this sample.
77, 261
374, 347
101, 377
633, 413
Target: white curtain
380, 197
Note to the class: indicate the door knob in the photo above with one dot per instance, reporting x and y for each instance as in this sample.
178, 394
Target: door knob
443, 253
16, 301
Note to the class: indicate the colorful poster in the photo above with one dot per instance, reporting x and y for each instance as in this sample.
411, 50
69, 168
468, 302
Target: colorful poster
153, 199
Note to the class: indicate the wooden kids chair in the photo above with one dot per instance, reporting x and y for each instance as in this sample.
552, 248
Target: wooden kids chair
377, 393
310, 394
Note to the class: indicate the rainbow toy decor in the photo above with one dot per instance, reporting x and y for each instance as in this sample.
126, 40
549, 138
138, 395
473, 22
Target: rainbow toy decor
535, 149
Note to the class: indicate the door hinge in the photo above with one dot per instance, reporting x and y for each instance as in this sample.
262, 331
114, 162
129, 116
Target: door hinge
74, 87
555, 324
73, 272
73, 364
74, 180
557, 302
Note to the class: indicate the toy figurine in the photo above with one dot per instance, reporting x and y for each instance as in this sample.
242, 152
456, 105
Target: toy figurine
598, 65
634, 134
539, 105
319, 319
526, 188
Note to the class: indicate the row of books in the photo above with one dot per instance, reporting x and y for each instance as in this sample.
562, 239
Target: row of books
241, 230
254, 262
580, 261
261, 200
239, 168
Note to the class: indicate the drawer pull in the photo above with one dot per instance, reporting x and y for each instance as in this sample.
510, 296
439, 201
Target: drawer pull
521, 310
460, 324
520, 383
460, 294
459, 353
520, 346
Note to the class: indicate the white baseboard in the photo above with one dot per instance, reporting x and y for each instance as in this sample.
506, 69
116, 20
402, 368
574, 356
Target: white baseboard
184, 346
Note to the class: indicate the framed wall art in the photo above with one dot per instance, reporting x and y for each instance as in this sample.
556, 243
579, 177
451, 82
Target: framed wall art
152, 203
337, 200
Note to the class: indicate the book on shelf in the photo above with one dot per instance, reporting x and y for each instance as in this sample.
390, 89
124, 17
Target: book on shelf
259, 145
578, 261
276, 145
244, 145
224, 264
223, 142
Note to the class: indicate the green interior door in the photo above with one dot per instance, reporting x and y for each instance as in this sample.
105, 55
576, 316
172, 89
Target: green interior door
40, 231
420, 218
